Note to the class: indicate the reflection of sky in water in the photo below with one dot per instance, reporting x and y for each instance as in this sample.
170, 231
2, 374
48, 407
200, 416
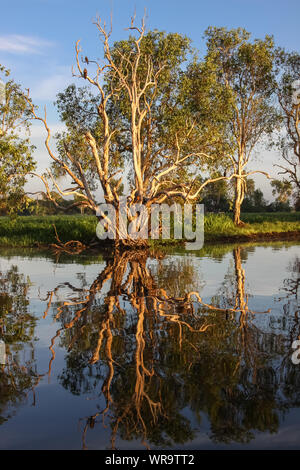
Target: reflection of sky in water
46, 275
55, 420
265, 267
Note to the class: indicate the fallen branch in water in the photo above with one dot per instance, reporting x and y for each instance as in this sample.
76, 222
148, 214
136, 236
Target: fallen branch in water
72, 247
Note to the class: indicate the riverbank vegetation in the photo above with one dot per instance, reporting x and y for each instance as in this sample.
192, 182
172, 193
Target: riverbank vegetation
34, 230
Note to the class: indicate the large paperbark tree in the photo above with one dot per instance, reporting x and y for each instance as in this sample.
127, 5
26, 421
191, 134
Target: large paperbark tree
133, 117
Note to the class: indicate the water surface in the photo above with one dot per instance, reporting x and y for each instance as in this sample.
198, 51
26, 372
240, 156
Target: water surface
178, 350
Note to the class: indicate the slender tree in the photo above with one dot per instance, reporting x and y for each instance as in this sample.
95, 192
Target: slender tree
244, 71
288, 92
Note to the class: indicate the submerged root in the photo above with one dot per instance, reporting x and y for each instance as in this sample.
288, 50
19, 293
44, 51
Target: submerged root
72, 247
75, 247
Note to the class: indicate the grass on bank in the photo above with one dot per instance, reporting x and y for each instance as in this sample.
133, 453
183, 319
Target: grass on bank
258, 217
30, 230
220, 226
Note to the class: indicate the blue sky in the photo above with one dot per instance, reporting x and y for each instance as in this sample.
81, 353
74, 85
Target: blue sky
37, 37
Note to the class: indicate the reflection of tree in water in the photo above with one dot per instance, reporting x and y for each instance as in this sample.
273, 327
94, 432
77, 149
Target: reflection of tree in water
18, 376
289, 298
177, 273
135, 339
291, 288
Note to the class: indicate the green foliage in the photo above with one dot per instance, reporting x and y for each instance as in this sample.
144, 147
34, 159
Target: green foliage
17, 325
225, 100
166, 123
271, 217
244, 72
254, 202
216, 196
77, 108
288, 87
16, 159
282, 189
220, 226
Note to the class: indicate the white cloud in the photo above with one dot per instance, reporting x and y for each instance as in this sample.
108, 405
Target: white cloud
19, 44
38, 132
37, 137
47, 88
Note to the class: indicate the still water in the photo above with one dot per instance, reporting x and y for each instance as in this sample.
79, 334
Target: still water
177, 350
